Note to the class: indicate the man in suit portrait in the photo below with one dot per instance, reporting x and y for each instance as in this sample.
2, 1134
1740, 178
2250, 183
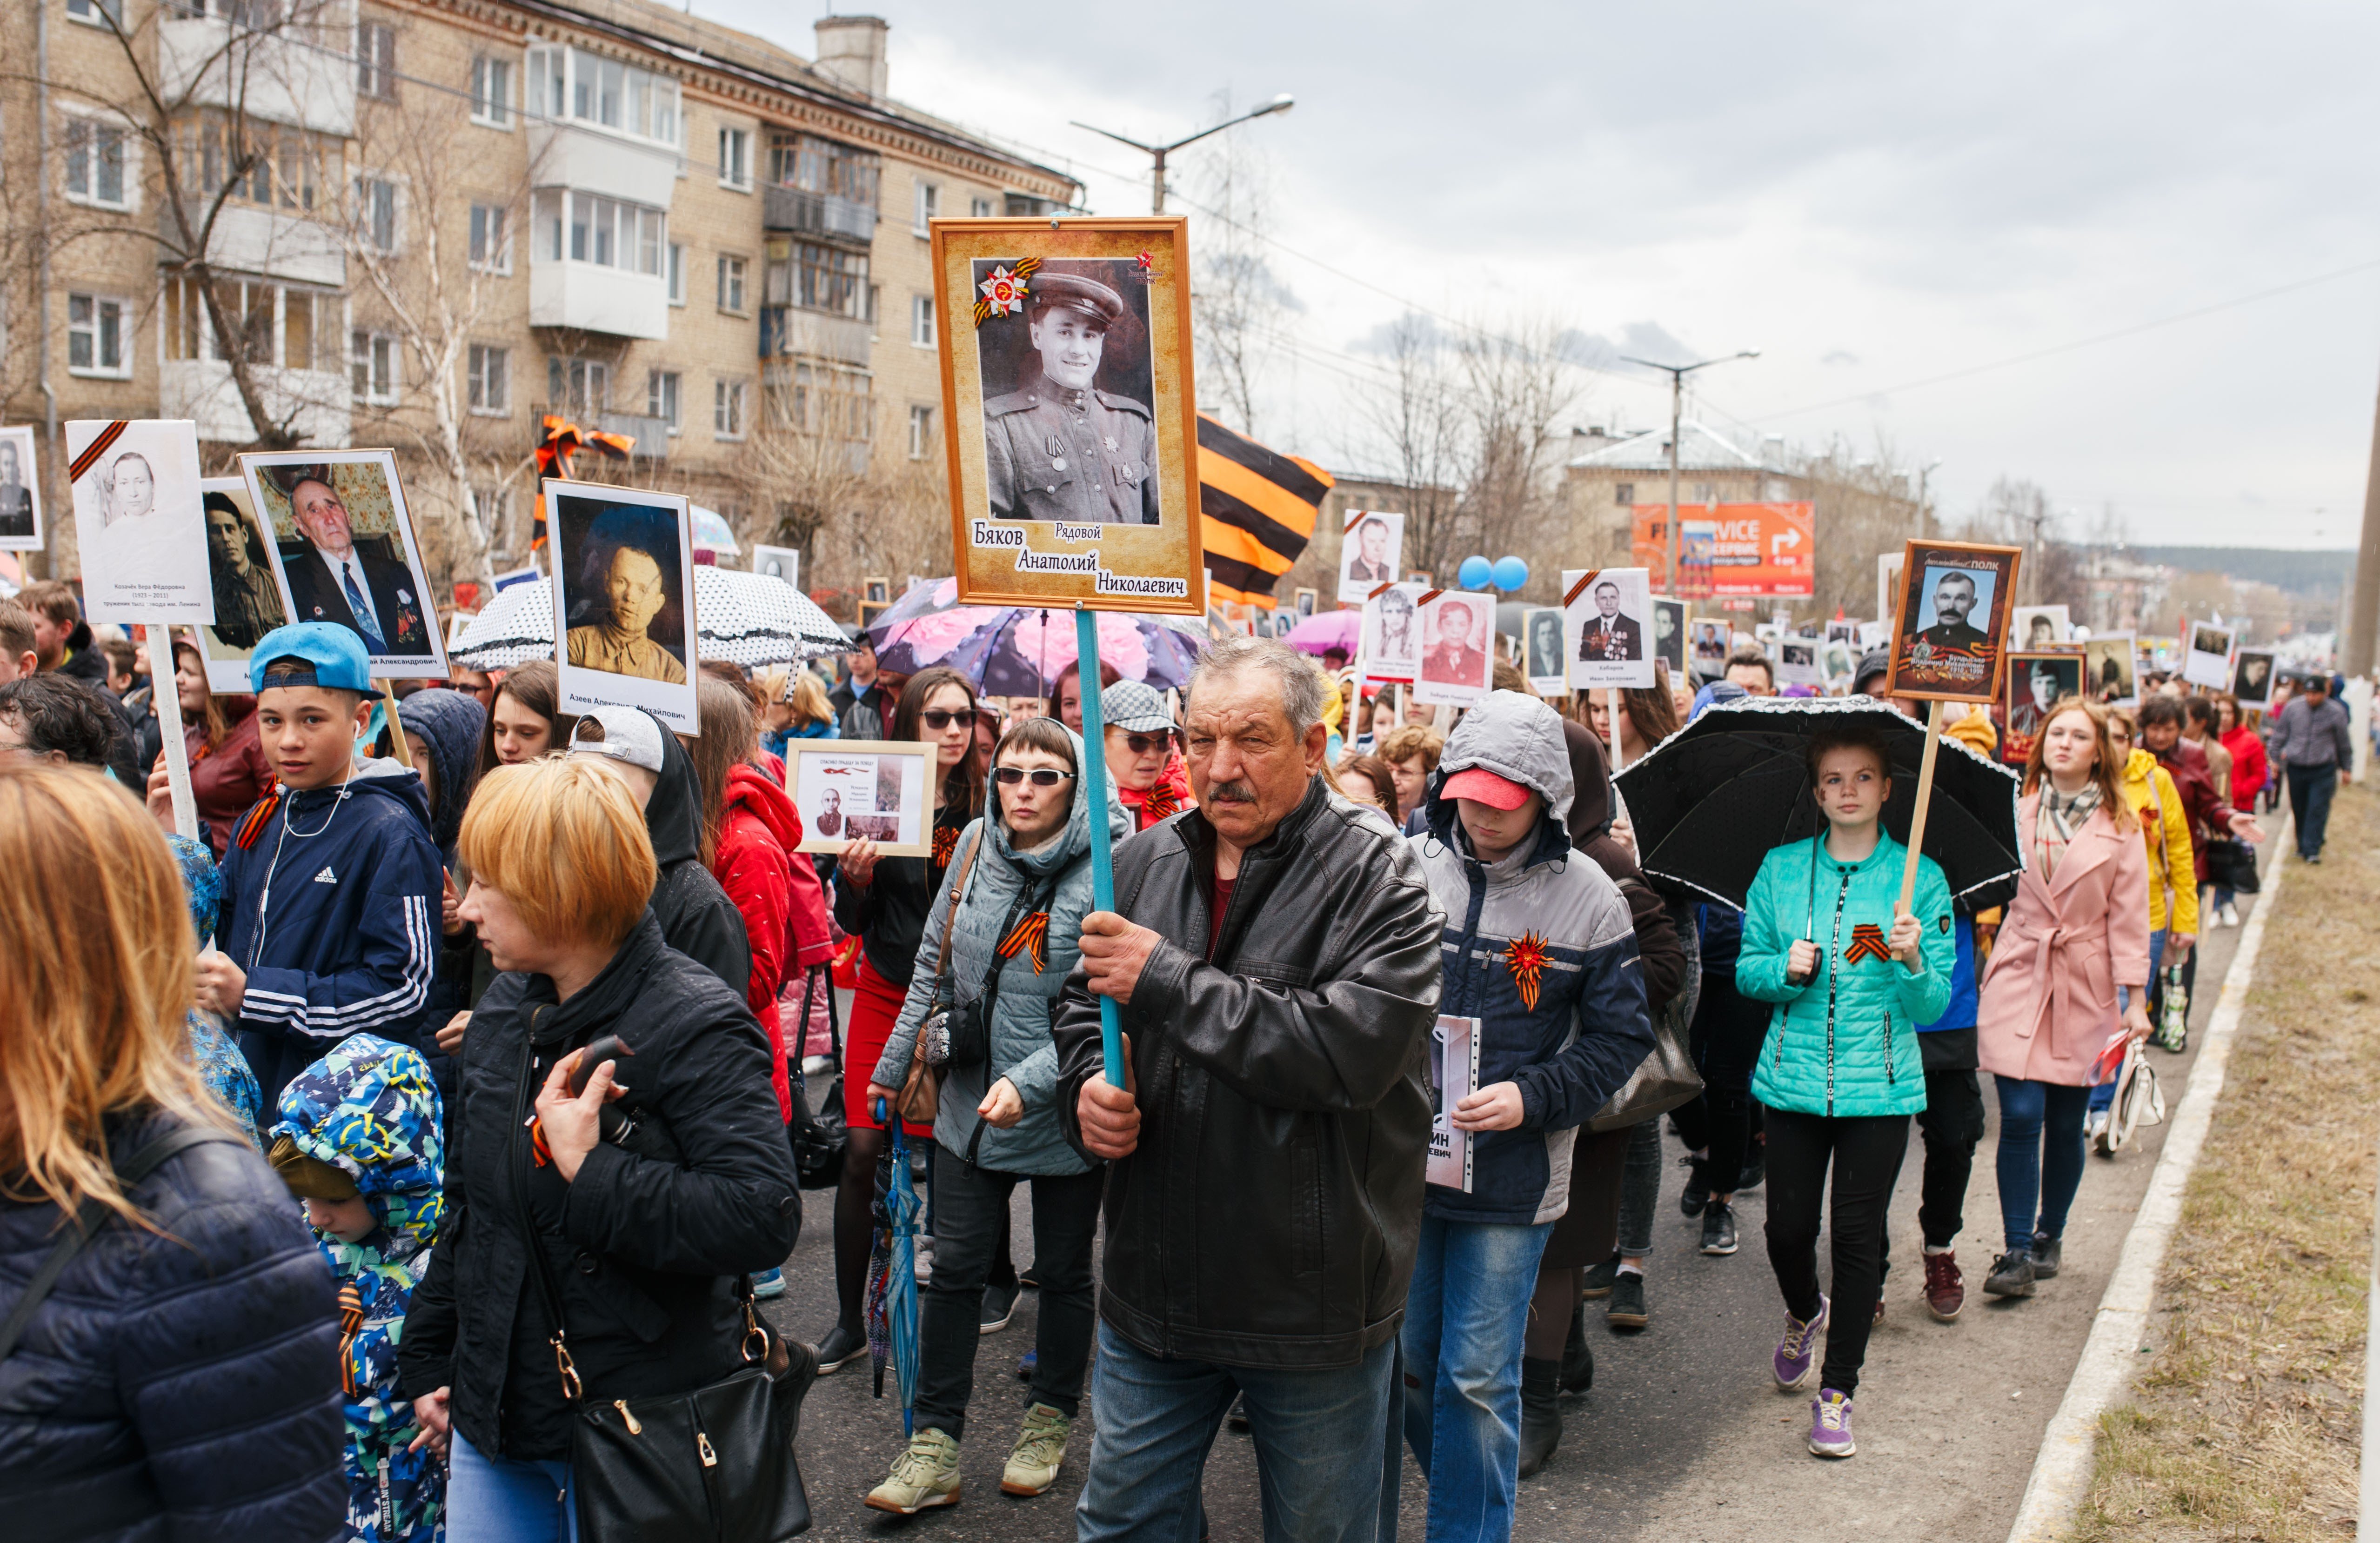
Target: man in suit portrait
1608, 634
1456, 659
1370, 564
333, 582
16, 499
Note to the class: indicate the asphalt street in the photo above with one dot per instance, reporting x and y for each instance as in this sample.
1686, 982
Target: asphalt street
1683, 1439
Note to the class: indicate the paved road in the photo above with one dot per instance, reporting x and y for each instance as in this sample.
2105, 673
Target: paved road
1683, 1439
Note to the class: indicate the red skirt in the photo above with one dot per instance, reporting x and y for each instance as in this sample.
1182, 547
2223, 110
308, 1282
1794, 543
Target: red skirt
875, 1007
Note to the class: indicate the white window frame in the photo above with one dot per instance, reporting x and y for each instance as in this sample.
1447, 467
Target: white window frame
485, 402
492, 109
364, 348
665, 398
125, 325
741, 268
674, 273
731, 409
96, 13
921, 431
736, 158
978, 207
129, 147
926, 200
921, 321
488, 218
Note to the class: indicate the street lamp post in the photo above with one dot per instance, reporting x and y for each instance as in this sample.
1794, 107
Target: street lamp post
1157, 153
1677, 373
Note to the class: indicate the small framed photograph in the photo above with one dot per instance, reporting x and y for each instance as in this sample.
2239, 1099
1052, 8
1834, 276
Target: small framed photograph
1541, 629
1951, 615
778, 561
1837, 662
871, 608
1425, 579
1457, 668
1841, 631
1605, 611
2111, 669
1887, 584
251, 599
1670, 635
1797, 661
139, 520
2034, 628
343, 541
875, 592
1306, 600
1371, 551
851, 788
2207, 653
2037, 681
1873, 635
624, 618
2251, 676
1393, 633
20, 490
1714, 639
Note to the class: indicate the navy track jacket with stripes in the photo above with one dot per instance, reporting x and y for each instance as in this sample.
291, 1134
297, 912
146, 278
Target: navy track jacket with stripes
333, 911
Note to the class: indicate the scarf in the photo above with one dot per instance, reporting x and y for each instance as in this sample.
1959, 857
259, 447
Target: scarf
2055, 821
1169, 796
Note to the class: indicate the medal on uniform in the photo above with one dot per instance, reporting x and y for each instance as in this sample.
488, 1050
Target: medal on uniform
1110, 442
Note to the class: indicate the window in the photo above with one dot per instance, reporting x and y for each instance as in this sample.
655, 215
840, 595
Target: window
928, 197
578, 385
731, 283
492, 245
661, 396
269, 324
491, 93
817, 166
1623, 492
735, 158
95, 163
99, 13
676, 273
921, 321
259, 163
95, 336
372, 359
979, 208
727, 409
818, 277
1704, 494
376, 60
571, 84
921, 433
584, 228
376, 213
491, 379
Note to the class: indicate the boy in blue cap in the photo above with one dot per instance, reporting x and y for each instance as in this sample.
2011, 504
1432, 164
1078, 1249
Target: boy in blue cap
331, 885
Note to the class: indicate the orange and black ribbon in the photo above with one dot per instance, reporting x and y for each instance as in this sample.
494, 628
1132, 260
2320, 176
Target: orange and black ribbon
558, 440
351, 1323
96, 448
1867, 942
1525, 957
1033, 932
253, 823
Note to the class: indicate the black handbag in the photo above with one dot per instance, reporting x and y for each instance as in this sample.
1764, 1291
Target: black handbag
2231, 864
717, 1462
820, 1136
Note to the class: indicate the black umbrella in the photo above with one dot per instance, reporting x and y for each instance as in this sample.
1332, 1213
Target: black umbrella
1714, 798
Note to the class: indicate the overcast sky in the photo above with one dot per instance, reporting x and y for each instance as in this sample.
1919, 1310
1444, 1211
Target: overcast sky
1872, 194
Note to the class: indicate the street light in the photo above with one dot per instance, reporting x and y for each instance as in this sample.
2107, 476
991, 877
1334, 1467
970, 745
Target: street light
1281, 103
1677, 373
1925, 474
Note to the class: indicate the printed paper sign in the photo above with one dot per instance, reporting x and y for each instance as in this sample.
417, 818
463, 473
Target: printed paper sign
1454, 1073
1606, 617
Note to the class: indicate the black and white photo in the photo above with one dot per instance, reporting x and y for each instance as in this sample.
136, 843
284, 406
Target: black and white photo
1605, 614
778, 561
848, 789
1541, 629
20, 490
2207, 653
1371, 551
138, 520
624, 599
250, 598
1392, 633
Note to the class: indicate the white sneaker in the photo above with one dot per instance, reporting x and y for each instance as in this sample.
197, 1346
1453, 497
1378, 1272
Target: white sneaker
2093, 1122
2231, 916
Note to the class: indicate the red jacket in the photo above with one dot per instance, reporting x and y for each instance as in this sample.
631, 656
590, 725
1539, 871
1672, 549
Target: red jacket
2248, 769
777, 891
1169, 796
2187, 765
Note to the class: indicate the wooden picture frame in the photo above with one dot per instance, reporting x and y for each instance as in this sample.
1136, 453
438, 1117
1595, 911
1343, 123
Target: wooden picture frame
829, 779
1953, 659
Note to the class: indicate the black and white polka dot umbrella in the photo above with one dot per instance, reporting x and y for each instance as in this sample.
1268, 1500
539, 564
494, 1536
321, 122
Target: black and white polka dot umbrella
748, 617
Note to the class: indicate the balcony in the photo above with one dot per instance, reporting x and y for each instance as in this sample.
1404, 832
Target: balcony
821, 216
651, 434
300, 73
203, 390
788, 331
590, 160
275, 246
589, 297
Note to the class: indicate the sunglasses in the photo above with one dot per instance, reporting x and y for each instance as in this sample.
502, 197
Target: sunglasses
1043, 776
1143, 743
938, 720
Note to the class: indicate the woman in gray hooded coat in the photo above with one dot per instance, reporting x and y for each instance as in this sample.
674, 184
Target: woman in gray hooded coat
1022, 876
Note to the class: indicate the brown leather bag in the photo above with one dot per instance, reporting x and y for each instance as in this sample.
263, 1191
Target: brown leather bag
921, 1092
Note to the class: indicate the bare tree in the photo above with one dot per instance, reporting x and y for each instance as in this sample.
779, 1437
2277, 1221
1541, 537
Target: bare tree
1519, 386
1239, 306
808, 468
1859, 506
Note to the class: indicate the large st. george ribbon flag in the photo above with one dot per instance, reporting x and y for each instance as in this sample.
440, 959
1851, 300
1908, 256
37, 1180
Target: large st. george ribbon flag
1259, 507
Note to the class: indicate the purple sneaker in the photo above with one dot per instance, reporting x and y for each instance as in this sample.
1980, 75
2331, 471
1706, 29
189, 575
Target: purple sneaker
1830, 1425
1797, 1353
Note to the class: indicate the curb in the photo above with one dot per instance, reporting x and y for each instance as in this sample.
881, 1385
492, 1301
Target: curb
2062, 1471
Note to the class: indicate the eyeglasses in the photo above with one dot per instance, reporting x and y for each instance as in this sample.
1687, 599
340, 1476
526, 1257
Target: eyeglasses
1043, 776
938, 720
1146, 744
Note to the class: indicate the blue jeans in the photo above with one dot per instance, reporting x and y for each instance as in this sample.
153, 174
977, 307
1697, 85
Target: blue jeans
499, 1499
1322, 1439
2103, 1098
2311, 788
1464, 1317
2035, 1169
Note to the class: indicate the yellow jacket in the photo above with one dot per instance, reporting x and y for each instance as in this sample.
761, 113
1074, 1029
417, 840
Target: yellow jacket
2172, 862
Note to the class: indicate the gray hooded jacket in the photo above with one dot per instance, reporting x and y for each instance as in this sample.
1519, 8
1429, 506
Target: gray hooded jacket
1005, 889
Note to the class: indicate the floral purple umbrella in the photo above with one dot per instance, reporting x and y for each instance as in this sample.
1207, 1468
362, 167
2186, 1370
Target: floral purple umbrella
1326, 630
1021, 651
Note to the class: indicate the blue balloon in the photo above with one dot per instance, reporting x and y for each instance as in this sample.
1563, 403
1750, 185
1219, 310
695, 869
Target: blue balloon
1512, 573
1474, 573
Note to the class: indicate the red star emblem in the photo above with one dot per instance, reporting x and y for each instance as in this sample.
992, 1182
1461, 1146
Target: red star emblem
1525, 957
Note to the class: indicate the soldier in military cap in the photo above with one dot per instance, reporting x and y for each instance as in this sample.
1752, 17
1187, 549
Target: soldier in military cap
1057, 448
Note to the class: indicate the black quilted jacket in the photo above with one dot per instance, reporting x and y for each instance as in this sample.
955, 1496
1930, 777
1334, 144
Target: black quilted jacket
180, 1384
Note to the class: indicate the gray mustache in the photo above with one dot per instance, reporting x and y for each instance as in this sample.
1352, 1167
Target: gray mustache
1232, 793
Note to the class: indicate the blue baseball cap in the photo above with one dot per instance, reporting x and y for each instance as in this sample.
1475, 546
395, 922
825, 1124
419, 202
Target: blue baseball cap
335, 653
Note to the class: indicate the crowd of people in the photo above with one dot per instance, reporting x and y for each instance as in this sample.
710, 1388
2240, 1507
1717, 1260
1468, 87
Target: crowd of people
464, 1075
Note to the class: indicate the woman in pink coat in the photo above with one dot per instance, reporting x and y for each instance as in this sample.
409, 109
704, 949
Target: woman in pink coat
2068, 973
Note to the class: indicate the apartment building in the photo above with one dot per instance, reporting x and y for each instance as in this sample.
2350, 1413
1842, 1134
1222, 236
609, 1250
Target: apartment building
428, 224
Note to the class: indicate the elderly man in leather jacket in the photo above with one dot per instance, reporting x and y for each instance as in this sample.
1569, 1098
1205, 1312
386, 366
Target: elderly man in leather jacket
1275, 955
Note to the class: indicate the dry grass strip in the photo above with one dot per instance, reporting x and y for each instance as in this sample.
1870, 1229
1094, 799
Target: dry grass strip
2247, 1418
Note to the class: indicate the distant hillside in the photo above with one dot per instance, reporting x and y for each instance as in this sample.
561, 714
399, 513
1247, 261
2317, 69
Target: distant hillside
2303, 572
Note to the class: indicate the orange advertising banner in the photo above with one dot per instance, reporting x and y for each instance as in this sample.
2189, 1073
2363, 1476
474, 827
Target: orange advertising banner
1724, 549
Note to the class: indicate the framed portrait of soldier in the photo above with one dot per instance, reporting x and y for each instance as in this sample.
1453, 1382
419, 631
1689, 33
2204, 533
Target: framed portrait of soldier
1074, 429
343, 543
1711, 640
1393, 633
1797, 661
2034, 628
848, 789
1307, 601
137, 520
2251, 676
1887, 584
1371, 552
2111, 669
1458, 658
1542, 658
2207, 653
20, 490
1670, 635
251, 599
623, 620
1607, 625
778, 561
2037, 682
1951, 620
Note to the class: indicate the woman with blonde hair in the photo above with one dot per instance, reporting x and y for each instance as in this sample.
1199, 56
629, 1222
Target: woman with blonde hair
184, 1329
2077, 935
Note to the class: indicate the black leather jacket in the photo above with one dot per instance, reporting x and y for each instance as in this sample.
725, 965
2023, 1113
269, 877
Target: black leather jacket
1271, 1214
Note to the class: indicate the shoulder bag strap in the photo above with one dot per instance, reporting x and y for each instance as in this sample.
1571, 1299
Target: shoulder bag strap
88, 1217
951, 911
540, 1268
